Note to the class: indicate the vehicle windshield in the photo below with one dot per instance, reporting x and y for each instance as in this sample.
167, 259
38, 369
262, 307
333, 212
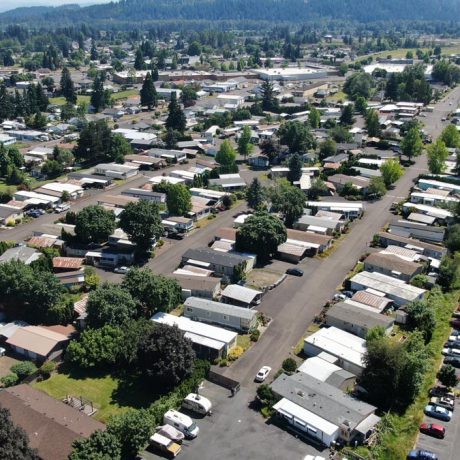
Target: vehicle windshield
192, 427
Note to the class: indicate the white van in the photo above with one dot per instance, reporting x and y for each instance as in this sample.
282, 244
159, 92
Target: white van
182, 422
196, 403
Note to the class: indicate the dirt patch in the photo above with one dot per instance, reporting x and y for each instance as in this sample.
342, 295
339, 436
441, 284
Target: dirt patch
5, 363
262, 278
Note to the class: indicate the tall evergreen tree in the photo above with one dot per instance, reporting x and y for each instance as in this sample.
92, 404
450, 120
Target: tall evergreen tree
67, 87
139, 61
148, 92
295, 168
99, 97
268, 96
176, 118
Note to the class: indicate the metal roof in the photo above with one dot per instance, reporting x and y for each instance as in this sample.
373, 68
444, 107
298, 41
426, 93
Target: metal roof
218, 307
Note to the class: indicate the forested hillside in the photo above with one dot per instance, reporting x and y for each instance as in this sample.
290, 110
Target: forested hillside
243, 10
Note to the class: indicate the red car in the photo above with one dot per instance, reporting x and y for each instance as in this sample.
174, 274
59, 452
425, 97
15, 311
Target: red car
433, 429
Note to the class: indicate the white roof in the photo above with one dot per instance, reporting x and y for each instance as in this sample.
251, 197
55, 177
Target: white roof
336, 204
241, 293
299, 414
434, 196
132, 134
241, 218
61, 187
167, 179
318, 368
339, 343
429, 210
25, 194
196, 328
440, 185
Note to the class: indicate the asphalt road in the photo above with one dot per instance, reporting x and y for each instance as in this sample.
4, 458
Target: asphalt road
294, 304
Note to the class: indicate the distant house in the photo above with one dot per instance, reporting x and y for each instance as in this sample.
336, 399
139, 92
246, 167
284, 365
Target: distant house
259, 161
146, 162
171, 156
206, 287
116, 171
21, 253
229, 182
231, 316
241, 296
219, 262
392, 265
10, 214
38, 343
51, 425
340, 180
321, 225
144, 194
349, 209
356, 320
422, 232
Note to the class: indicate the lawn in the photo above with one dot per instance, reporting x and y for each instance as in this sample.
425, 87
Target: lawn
61, 100
125, 94
110, 394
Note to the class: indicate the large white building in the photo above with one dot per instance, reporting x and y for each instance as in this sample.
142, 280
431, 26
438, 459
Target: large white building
291, 73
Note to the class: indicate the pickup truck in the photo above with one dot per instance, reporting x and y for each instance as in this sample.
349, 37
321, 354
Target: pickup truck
165, 445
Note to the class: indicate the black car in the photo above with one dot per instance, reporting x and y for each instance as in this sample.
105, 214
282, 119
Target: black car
452, 360
294, 272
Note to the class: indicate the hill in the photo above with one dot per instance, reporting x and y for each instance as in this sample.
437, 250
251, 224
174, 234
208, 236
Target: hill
129, 11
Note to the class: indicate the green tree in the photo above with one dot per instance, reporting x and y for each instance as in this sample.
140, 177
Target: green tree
451, 137
97, 348
93, 224
148, 92
95, 143
194, 49
447, 375
318, 188
23, 369
101, 445
296, 136
120, 147
226, 157
255, 195
327, 149
92, 279
372, 123
111, 305
244, 142
358, 84
14, 443
377, 187
100, 98
449, 272
314, 118
361, 105
133, 430
412, 144
142, 223
52, 169
176, 119
293, 205
437, 156
452, 240
391, 171
139, 60
346, 117
295, 168
179, 200
269, 102
261, 234
165, 356
421, 316
67, 87
152, 292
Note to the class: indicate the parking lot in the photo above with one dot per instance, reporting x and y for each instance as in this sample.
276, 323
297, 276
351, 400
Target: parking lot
234, 431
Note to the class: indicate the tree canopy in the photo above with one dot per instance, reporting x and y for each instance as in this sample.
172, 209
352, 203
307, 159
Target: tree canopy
255, 194
148, 92
391, 171
226, 157
93, 224
176, 119
437, 156
296, 136
178, 200
261, 234
412, 144
101, 445
295, 168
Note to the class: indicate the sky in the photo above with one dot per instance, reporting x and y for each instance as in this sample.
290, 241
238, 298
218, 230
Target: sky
6, 5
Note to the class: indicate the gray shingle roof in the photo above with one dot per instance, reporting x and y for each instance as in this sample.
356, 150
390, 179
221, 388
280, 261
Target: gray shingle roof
359, 316
223, 308
215, 257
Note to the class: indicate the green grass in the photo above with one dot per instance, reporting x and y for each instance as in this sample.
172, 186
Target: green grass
7, 188
243, 341
61, 100
125, 94
110, 394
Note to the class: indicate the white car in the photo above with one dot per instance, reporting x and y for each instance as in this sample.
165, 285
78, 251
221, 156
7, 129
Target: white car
62, 208
263, 374
121, 270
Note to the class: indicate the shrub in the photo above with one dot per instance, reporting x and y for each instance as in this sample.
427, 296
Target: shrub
254, 335
235, 353
9, 380
23, 369
289, 365
223, 362
47, 368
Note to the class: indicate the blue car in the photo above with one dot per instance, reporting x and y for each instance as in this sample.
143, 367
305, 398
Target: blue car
422, 455
441, 413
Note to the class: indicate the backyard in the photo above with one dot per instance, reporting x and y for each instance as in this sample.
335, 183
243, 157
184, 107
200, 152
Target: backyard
110, 394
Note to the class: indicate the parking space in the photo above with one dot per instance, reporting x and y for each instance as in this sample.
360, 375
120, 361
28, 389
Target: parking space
235, 431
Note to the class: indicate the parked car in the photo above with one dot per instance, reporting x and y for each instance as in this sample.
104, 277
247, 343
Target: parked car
455, 323
442, 391
122, 270
433, 429
263, 374
452, 360
451, 351
181, 422
165, 445
294, 272
421, 455
441, 413
455, 333
2, 351
168, 431
61, 208
443, 402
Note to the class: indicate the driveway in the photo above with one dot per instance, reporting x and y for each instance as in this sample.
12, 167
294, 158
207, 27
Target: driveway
236, 432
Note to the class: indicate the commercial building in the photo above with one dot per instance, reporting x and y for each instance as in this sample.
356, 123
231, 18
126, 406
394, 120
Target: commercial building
291, 73
209, 342
230, 316
348, 349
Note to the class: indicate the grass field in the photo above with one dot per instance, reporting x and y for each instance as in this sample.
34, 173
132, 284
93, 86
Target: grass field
401, 52
61, 100
125, 94
111, 395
